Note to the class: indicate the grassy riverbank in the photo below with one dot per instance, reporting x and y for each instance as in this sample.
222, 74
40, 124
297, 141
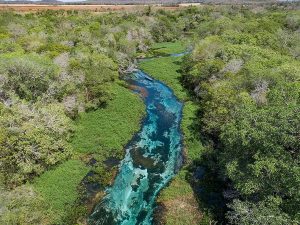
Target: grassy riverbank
165, 69
178, 198
99, 134
59, 188
102, 134
109, 128
167, 48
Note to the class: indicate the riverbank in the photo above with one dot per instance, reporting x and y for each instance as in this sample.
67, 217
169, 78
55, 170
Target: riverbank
99, 136
178, 198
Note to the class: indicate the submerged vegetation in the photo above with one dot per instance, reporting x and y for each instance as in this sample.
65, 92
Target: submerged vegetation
64, 110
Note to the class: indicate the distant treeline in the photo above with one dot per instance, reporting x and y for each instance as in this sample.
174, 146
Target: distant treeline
160, 2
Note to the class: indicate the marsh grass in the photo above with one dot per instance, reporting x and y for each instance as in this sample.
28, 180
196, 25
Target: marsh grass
107, 130
166, 69
59, 186
168, 48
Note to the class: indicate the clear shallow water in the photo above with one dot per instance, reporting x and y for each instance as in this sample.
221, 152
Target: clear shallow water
152, 158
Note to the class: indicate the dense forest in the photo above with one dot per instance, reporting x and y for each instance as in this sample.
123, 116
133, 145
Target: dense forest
244, 73
65, 110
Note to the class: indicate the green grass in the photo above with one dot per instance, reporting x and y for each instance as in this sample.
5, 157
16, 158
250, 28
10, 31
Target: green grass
107, 130
58, 187
178, 187
192, 140
164, 49
103, 132
166, 69
168, 48
179, 191
181, 204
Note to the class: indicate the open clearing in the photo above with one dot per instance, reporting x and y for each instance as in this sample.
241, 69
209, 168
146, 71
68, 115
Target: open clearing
96, 8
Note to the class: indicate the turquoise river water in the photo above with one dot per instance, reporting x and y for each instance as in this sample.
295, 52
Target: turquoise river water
152, 158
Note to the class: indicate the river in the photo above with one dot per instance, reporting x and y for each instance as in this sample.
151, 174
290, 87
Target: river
152, 158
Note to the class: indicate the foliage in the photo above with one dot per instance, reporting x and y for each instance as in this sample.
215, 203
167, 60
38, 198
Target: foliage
100, 72
59, 188
247, 85
23, 205
243, 73
33, 138
179, 191
166, 48
107, 130
28, 76
192, 142
165, 69
266, 212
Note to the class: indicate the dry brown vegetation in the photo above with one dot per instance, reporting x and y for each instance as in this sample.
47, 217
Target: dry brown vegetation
96, 8
175, 208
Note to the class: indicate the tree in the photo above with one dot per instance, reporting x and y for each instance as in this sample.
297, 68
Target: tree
28, 76
33, 138
262, 213
23, 206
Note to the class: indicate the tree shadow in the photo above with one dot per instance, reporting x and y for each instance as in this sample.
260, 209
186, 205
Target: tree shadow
208, 189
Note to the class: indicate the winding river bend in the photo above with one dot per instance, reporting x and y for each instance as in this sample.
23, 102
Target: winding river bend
152, 158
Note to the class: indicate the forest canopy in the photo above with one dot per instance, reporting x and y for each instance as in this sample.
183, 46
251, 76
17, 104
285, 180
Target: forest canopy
246, 79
